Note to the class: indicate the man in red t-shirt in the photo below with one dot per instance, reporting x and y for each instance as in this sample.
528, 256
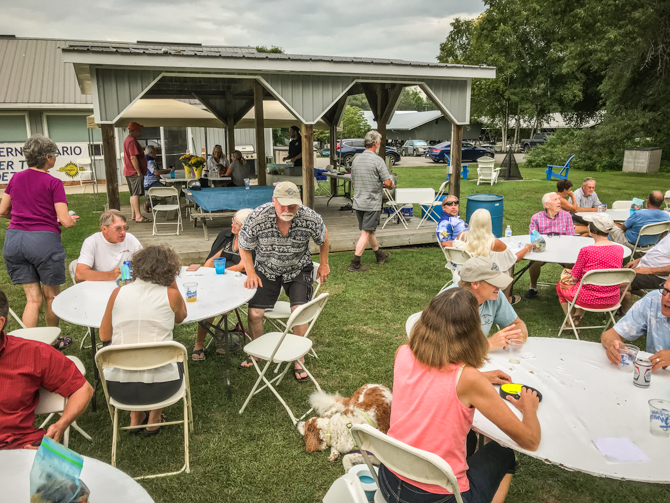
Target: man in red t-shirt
25, 367
134, 169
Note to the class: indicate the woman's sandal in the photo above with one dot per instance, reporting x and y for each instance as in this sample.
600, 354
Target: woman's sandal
200, 353
139, 430
153, 433
144, 220
62, 342
249, 364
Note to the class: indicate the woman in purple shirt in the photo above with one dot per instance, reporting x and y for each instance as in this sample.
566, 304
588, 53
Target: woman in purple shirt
35, 203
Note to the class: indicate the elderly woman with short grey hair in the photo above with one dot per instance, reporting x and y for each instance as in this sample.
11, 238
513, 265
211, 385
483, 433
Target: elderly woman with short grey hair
36, 205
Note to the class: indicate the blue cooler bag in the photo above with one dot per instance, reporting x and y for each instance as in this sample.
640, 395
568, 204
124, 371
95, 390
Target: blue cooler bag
54, 476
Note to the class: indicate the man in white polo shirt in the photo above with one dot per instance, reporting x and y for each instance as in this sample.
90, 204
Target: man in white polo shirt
103, 253
651, 271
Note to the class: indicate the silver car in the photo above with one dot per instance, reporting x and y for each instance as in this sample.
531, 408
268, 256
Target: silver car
414, 148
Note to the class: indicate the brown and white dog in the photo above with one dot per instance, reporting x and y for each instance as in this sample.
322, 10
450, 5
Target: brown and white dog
335, 411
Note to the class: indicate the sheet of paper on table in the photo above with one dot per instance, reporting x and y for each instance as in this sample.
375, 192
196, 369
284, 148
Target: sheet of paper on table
620, 450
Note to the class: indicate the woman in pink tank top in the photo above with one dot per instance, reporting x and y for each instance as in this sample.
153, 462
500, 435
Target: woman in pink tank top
436, 389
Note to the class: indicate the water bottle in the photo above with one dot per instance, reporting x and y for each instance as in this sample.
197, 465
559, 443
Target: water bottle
508, 232
171, 171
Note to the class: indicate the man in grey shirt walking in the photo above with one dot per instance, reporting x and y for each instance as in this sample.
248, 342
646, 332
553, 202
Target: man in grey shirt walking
369, 176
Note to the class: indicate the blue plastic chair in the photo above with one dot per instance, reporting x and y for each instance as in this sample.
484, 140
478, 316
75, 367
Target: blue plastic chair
561, 175
464, 168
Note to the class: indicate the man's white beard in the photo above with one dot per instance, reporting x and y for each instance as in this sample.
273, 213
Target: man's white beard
287, 217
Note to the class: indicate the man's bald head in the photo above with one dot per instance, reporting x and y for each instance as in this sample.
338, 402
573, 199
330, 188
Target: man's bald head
655, 199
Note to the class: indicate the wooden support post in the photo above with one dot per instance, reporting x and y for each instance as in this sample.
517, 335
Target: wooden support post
231, 136
308, 165
456, 151
109, 154
333, 155
260, 132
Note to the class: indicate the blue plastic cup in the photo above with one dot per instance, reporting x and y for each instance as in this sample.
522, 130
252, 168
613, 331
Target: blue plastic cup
220, 265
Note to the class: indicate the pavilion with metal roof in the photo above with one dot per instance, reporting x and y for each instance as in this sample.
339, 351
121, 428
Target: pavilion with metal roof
231, 81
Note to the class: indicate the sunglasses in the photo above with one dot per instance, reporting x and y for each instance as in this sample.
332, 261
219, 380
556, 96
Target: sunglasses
450, 203
119, 229
553, 234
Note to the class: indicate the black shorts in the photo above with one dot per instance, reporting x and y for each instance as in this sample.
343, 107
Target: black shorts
135, 185
299, 290
34, 257
368, 220
647, 282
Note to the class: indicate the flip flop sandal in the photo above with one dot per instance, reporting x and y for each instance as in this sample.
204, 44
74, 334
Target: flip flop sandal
198, 352
299, 371
515, 299
249, 361
139, 430
62, 342
144, 220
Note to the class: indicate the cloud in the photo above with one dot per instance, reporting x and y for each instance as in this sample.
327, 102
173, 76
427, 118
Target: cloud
382, 29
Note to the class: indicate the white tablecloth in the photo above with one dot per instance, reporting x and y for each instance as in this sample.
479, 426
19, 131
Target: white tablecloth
585, 397
106, 483
617, 215
84, 304
560, 249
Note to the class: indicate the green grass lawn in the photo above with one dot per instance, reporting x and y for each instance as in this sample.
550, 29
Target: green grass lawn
259, 456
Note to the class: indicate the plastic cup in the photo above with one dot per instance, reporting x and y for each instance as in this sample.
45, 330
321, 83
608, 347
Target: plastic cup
246, 183
659, 417
514, 349
627, 355
220, 265
191, 292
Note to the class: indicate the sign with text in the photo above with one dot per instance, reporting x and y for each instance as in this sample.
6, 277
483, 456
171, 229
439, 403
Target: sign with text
13, 161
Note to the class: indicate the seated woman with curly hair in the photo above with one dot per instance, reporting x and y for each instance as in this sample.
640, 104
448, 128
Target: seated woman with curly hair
436, 388
144, 311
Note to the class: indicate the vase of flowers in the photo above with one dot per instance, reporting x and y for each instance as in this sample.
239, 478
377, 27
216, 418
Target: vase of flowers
185, 160
197, 164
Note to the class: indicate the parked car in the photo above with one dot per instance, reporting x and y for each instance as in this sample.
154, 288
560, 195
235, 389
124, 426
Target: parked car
537, 139
347, 149
469, 153
414, 147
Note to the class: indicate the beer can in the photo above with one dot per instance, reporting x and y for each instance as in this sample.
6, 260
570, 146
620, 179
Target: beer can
642, 372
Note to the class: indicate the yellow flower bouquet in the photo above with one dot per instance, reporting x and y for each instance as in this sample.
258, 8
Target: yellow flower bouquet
185, 160
197, 164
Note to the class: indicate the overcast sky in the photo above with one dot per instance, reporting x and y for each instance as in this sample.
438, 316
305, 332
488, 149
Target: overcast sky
404, 29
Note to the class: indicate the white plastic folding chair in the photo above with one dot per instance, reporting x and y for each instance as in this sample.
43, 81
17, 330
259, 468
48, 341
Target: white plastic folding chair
72, 269
621, 205
284, 347
455, 258
598, 277
409, 462
53, 403
155, 192
656, 229
411, 321
666, 199
393, 207
48, 335
138, 357
429, 209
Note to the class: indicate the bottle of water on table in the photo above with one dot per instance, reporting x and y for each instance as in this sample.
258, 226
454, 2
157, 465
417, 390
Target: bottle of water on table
508, 232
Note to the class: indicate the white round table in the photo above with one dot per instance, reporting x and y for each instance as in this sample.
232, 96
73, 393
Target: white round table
617, 215
584, 397
106, 483
84, 304
560, 249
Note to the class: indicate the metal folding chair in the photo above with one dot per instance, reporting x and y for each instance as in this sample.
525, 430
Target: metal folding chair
429, 209
649, 230
165, 208
455, 258
600, 277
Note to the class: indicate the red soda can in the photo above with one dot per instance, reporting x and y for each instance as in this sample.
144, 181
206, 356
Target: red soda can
642, 372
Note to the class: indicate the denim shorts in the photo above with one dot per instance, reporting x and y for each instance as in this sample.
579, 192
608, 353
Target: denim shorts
486, 469
34, 257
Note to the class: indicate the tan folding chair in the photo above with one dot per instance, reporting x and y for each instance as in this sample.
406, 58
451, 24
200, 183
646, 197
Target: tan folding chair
138, 357
429, 209
666, 200
285, 347
394, 207
409, 462
163, 192
621, 205
656, 229
411, 321
455, 258
72, 269
599, 277
53, 403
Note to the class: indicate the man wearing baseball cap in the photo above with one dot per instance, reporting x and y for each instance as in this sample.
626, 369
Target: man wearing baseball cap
279, 233
134, 169
483, 278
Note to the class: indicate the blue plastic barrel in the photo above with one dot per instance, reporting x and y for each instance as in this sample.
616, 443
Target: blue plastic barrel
491, 202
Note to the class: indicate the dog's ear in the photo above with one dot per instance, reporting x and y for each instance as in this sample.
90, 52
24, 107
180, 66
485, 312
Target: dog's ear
312, 436
301, 427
